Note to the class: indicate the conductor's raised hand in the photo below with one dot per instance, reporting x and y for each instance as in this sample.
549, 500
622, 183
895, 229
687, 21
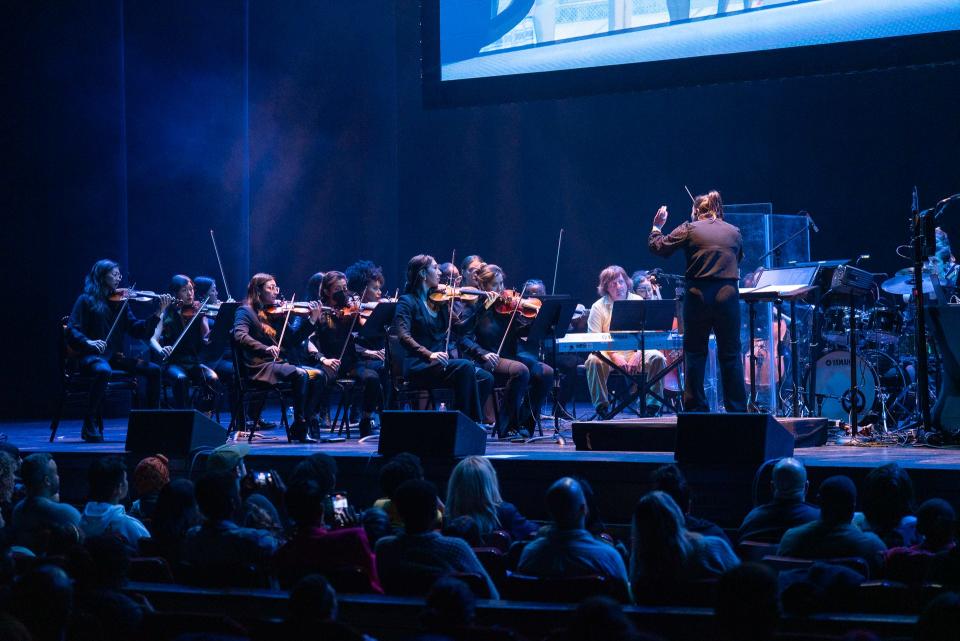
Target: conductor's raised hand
660, 219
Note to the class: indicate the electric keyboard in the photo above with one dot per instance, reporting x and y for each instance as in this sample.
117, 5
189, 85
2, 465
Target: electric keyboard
618, 341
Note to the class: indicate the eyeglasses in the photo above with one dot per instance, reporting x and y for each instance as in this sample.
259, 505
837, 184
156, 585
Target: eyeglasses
117, 276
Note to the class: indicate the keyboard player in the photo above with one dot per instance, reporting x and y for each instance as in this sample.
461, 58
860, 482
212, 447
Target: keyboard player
616, 285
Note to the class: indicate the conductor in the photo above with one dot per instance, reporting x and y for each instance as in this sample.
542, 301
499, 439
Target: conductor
713, 249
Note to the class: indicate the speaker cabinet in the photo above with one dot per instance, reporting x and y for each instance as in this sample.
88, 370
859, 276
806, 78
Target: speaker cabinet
626, 436
731, 438
173, 433
430, 434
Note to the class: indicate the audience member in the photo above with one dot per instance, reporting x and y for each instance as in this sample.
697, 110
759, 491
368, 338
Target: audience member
466, 528
174, 515
40, 511
936, 525
665, 554
600, 618
42, 599
566, 548
103, 514
8, 482
450, 607
316, 548
410, 561
940, 620
669, 479
888, 505
595, 524
258, 510
313, 612
149, 477
748, 607
473, 490
102, 610
376, 524
786, 510
402, 467
219, 544
833, 535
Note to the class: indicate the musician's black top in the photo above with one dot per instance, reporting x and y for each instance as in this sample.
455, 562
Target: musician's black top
92, 319
421, 333
713, 248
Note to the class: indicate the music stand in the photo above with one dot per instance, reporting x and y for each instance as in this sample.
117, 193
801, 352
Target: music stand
219, 338
637, 317
376, 327
552, 321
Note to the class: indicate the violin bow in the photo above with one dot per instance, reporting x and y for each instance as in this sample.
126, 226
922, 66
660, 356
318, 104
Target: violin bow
286, 321
116, 319
223, 277
694, 200
446, 344
187, 328
353, 323
556, 264
510, 322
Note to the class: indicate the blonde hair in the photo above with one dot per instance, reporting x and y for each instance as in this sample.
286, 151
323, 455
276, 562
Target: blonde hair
485, 274
473, 491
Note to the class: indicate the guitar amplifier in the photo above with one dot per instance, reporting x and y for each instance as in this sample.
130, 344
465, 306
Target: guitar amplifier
849, 279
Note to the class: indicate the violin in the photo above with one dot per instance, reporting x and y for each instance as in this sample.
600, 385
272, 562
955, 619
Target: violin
509, 300
298, 308
126, 293
443, 293
188, 311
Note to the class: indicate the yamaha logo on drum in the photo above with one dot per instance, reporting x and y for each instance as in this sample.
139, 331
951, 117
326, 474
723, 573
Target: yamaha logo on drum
839, 362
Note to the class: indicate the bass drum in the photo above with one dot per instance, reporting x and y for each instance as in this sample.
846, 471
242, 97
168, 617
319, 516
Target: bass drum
880, 377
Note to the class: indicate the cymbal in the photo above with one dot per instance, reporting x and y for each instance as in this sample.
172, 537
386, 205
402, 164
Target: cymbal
903, 284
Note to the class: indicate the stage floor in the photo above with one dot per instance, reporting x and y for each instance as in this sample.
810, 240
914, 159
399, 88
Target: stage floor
723, 493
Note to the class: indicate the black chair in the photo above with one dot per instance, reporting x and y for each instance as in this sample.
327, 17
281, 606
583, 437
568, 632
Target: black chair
197, 391
519, 587
404, 390
248, 390
75, 387
346, 389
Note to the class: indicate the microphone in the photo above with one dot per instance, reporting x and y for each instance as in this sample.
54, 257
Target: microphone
816, 229
861, 257
915, 203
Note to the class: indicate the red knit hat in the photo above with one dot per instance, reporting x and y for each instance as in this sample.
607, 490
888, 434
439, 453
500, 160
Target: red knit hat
151, 474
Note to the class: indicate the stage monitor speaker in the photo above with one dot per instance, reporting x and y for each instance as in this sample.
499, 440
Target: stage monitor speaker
625, 436
430, 434
731, 438
173, 433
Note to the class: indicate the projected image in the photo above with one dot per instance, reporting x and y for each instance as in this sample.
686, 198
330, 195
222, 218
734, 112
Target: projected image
480, 38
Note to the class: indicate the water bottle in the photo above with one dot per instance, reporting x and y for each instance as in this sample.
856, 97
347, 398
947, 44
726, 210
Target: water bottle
443, 407
290, 415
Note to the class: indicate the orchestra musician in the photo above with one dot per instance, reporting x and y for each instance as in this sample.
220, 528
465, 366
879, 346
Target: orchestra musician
421, 326
183, 365
713, 250
614, 284
100, 351
518, 370
333, 337
257, 338
468, 267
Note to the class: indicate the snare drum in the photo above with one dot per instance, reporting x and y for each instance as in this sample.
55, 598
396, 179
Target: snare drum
883, 326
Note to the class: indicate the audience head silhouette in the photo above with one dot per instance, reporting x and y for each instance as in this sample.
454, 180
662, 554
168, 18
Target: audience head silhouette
566, 504
936, 521
838, 498
218, 495
789, 479
416, 503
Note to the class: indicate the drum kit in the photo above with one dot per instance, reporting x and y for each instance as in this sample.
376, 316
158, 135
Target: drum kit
886, 358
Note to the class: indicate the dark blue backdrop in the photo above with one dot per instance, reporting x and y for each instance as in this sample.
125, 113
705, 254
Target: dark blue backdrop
297, 131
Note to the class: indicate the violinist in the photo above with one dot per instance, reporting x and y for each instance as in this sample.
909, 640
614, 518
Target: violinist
333, 337
449, 273
97, 324
257, 336
203, 287
421, 325
468, 267
183, 365
517, 369
615, 285
645, 286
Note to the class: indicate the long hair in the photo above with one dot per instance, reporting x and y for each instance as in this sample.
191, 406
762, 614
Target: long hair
313, 286
415, 269
465, 263
178, 282
660, 543
255, 289
328, 280
202, 286
362, 273
610, 274
473, 491
709, 203
487, 273
94, 285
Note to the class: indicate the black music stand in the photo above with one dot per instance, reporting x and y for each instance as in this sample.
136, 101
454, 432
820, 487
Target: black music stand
219, 340
552, 321
637, 317
376, 326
